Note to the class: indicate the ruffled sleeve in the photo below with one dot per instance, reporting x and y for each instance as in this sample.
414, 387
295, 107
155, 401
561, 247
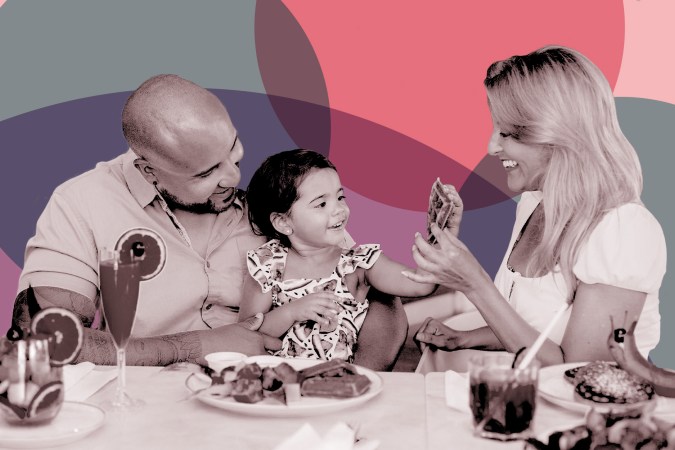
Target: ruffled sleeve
363, 256
265, 263
627, 249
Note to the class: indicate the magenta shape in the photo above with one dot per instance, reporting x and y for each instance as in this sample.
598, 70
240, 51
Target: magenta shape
9, 281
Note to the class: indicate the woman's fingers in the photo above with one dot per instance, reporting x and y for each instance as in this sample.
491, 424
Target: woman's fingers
419, 277
433, 340
432, 333
422, 345
422, 256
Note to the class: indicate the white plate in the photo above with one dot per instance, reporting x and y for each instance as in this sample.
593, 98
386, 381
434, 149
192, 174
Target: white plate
73, 422
554, 388
306, 406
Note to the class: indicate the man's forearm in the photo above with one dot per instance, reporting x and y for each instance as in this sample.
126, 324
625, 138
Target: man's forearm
99, 348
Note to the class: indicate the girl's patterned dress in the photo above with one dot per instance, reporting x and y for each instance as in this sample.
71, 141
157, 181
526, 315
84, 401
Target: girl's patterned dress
308, 339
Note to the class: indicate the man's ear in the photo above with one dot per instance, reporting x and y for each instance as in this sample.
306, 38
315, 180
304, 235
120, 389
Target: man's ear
281, 223
146, 170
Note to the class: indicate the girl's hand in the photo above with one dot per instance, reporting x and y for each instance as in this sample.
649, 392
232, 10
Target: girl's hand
434, 334
448, 263
320, 307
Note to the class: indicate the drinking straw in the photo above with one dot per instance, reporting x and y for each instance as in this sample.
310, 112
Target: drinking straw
542, 338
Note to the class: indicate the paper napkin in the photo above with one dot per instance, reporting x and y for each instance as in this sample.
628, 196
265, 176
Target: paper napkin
81, 381
457, 390
339, 437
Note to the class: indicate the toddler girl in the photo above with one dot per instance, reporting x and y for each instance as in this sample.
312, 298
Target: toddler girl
295, 199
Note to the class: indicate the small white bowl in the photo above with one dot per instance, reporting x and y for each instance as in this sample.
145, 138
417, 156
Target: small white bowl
219, 360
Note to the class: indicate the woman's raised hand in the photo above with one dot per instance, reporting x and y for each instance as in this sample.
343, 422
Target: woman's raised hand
448, 262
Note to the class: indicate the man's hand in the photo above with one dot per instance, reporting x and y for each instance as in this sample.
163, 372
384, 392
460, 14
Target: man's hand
238, 337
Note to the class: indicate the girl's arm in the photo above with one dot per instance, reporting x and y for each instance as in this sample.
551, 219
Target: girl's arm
276, 321
319, 307
386, 276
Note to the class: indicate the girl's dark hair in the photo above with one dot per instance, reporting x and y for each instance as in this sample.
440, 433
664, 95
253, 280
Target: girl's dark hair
274, 188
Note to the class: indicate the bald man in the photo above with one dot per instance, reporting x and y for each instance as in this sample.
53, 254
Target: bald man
179, 178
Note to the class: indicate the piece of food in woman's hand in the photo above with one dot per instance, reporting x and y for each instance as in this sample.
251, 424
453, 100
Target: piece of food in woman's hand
605, 382
623, 347
247, 390
441, 209
345, 386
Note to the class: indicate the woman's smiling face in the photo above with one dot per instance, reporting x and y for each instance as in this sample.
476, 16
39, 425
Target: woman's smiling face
525, 164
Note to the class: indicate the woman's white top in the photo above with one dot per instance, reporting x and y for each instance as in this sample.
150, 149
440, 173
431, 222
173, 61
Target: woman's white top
627, 249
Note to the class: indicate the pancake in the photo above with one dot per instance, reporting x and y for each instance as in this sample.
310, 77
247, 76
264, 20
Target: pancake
605, 382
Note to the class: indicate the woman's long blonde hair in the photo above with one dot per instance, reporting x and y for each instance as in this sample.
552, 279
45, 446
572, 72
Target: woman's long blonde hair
557, 99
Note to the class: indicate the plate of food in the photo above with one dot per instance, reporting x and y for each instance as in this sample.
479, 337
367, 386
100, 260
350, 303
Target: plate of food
600, 385
279, 387
609, 430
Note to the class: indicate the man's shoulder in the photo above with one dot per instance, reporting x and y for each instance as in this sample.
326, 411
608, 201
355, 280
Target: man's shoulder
93, 179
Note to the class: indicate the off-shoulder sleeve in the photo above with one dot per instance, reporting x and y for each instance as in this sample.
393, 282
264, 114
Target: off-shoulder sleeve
627, 249
261, 264
363, 256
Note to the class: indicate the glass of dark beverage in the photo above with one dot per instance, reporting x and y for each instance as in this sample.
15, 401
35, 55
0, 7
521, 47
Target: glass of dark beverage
502, 398
31, 388
119, 284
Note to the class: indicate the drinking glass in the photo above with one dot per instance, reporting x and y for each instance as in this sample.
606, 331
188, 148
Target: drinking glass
119, 282
502, 398
31, 389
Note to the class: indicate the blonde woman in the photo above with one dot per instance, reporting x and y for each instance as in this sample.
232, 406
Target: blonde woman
581, 233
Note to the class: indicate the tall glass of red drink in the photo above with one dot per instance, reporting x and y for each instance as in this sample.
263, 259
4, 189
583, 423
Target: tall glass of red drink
119, 282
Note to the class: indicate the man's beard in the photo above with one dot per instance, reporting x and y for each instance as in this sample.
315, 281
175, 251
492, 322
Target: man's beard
207, 207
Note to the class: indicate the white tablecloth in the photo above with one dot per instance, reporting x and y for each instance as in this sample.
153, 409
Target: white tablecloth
410, 413
396, 417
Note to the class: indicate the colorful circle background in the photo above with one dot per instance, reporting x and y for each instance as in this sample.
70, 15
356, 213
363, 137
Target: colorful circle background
391, 92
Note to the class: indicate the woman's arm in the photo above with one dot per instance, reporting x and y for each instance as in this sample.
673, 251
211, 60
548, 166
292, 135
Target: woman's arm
585, 337
436, 334
386, 276
595, 306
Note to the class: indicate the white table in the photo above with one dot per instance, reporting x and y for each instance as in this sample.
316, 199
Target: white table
396, 417
410, 413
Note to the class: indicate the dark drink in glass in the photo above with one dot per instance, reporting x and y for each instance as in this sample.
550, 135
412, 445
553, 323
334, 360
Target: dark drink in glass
119, 294
118, 282
502, 399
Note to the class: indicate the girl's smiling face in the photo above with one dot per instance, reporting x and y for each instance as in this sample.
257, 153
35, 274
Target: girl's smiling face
319, 216
525, 164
